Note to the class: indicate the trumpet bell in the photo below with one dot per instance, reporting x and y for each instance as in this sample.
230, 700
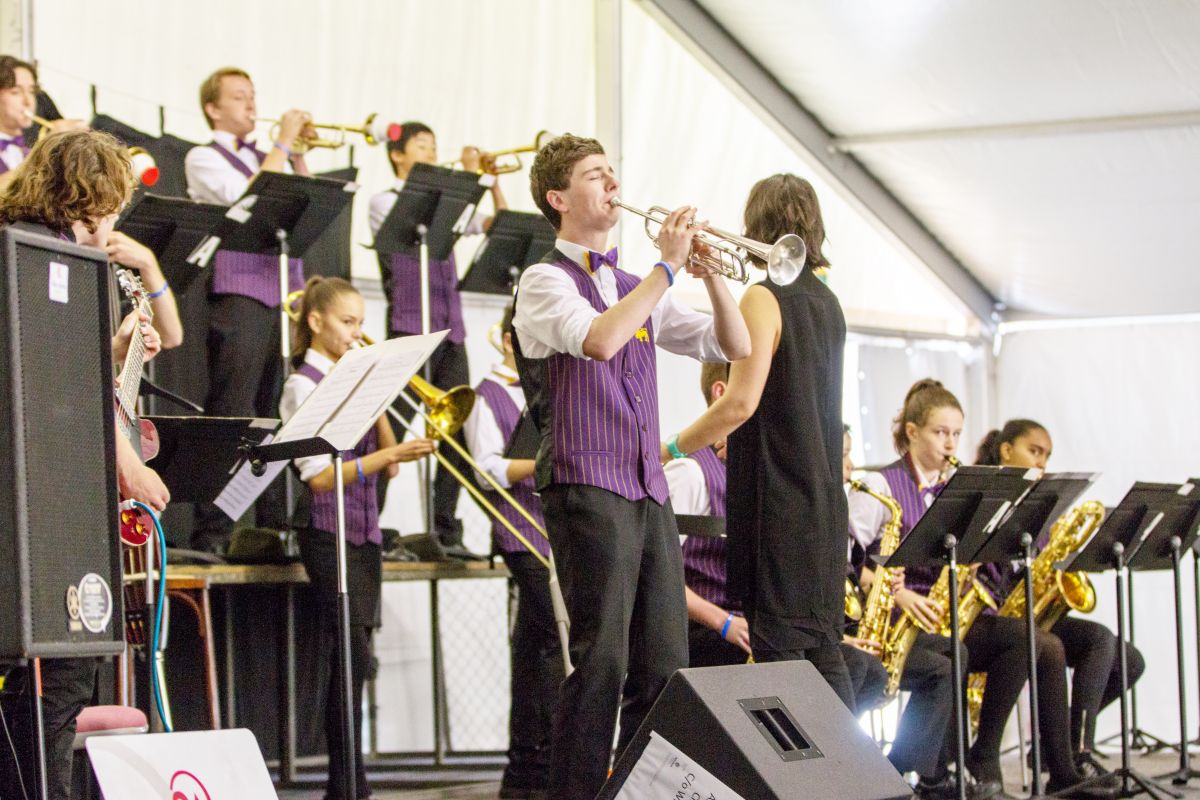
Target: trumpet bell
785, 260
145, 170
448, 409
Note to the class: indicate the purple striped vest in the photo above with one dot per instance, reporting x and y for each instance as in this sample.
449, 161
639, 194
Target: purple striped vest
599, 419
362, 506
506, 414
704, 556
252, 275
913, 506
404, 297
24, 153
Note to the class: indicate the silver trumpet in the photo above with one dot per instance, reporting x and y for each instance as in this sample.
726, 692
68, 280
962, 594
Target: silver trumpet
728, 254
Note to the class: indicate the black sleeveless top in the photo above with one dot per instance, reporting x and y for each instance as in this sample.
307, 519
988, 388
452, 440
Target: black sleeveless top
787, 517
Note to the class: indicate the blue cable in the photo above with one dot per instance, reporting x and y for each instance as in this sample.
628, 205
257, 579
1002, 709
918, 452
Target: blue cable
156, 689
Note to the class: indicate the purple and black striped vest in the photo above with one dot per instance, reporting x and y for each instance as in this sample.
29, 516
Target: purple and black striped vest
362, 506
598, 419
505, 412
704, 556
914, 501
252, 275
402, 282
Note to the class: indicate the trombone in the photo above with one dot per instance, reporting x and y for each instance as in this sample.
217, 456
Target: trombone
372, 130
728, 254
145, 170
512, 165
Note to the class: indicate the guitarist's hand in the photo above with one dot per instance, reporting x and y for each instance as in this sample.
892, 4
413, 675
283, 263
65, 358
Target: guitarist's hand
150, 337
137, 481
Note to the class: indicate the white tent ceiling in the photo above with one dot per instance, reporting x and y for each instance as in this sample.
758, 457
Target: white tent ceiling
1093, 217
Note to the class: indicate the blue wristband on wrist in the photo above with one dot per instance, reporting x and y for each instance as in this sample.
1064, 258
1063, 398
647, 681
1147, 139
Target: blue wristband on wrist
670, 272
361, 478
286, 151
725, 627
160, 292
673, 447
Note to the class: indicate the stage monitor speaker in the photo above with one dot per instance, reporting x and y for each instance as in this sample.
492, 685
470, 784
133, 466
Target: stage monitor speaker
767, 731
60, 553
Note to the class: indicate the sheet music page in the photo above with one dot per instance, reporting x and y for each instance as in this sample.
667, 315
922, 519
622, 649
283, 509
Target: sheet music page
244, 487
664, 772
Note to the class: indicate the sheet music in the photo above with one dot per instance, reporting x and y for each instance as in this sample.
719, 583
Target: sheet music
664, 772
373, 396
245, 487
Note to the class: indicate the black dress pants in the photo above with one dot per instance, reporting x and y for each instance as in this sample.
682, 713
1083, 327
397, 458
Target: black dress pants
537, 673
1091, 651
448, 368
621, 571
925, 737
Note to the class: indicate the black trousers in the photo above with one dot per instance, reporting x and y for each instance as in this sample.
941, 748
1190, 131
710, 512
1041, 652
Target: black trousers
621, 571
925, 737
537, 673
775, 639
245, 378
997, 648
448, 368
363, 576
68, 686
1091, 651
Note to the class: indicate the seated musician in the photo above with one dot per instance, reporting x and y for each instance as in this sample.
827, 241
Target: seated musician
537, 667
244, 365
926, 434
402, 284
328, 325
18, 103
1090, 648
71, 186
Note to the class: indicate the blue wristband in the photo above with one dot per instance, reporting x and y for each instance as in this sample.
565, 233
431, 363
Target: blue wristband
287, 152
670, 272
160, 292
361, 478
673, 447
725, 627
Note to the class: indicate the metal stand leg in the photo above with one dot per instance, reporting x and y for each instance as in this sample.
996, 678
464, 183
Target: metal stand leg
1035, 741
1185, 773
39, 730
960, 746
345, 682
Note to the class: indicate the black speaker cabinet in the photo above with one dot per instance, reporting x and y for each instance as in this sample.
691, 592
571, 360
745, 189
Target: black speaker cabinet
768, 732
60, 554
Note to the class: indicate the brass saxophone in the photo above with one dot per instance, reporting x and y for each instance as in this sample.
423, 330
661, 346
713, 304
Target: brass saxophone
1054, 592
876, 624
971, 601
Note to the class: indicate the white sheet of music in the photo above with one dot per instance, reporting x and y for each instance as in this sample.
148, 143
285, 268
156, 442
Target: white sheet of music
245, 487
664, 772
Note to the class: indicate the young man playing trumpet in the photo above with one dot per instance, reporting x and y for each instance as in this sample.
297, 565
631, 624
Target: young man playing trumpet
244, 363
18, 101
585, 346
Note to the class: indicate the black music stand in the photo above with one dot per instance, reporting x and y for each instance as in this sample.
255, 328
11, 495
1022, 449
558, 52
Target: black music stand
197, 455
1144, 507
174, 229
281, 214
969, 508
1162, 549
1014, 540
515, 240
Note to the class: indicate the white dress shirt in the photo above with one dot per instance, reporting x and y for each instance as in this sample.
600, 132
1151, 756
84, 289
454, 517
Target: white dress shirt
381, 206
212, 179
12, 156
296, 390
687, 487
553, 317
484, 439
868, 515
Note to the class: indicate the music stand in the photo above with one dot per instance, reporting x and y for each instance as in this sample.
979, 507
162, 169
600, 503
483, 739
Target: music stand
281, 214
174, 229
1162, 549
970, 506
1143, 508
196, 455
332, 420
1014, 540
515, 240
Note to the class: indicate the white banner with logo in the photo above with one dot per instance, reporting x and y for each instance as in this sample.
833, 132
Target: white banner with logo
201, 765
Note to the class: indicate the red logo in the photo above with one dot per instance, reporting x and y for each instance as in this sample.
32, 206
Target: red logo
186, 786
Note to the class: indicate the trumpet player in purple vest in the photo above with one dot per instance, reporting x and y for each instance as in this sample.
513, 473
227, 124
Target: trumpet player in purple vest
586, 332
537, 668
244, 366
401, 274
330, 323
18, 103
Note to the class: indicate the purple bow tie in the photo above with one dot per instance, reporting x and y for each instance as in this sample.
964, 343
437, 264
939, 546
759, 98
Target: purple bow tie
18, 140
598, 260
244, 143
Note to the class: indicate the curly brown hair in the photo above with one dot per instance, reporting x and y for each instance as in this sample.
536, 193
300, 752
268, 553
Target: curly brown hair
551, 170
69, 177
783, 204
8, 71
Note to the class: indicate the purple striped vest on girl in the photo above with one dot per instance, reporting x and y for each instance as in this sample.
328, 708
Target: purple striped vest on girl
252, 275
704, 556
362, 506
20, 142
598, 419
506, 414
403, 286
914, 501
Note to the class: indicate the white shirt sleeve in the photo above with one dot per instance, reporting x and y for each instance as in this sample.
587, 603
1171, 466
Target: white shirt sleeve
212, 179
868, 515
296, 390
552, 316
687, 488
685, 331
486, 444
380, 207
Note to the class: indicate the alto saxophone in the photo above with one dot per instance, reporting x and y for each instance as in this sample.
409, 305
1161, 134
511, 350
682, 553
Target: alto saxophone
971, 601
1054, 592
876, 625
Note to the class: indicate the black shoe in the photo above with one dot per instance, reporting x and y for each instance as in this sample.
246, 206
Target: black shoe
947, 789
458, 551
1078, 791
399, 553
1092, 770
